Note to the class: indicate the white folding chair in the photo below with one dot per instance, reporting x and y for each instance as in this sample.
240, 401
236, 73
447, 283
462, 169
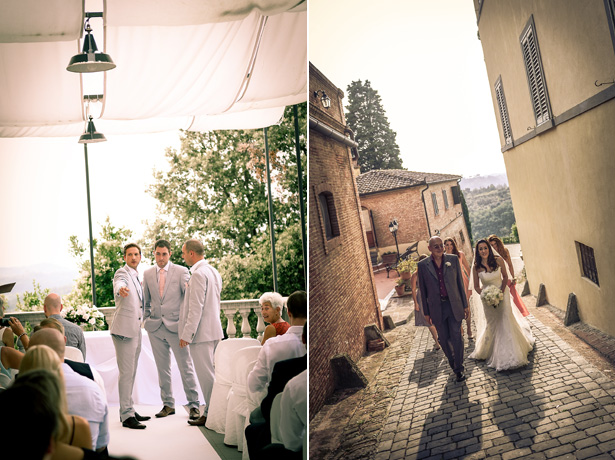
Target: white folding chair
243, 361
74, 354
218, 403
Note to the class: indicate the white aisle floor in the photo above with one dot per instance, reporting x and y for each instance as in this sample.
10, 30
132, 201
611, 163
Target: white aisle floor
164, 438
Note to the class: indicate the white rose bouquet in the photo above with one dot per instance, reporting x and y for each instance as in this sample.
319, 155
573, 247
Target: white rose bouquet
492, 296
86, 316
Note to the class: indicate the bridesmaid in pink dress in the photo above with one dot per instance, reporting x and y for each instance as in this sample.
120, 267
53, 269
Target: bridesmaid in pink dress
497, 244
450, 246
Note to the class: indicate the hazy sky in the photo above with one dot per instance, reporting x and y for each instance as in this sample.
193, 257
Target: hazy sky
426, 62
43, 198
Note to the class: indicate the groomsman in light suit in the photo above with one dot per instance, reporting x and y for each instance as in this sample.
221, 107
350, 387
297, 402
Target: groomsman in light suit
126, 332
199, 319
163, 289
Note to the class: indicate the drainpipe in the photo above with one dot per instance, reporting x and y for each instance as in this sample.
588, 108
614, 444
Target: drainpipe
424, 206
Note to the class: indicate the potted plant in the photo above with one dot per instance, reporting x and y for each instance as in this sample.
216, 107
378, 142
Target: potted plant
400, 286
389, 258
405, 268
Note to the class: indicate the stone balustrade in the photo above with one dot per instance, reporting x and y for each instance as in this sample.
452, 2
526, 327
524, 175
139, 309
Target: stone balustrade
236, 313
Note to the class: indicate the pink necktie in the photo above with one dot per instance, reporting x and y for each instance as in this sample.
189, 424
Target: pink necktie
163, 278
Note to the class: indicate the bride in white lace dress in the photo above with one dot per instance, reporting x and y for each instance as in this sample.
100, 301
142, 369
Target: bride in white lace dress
504, 336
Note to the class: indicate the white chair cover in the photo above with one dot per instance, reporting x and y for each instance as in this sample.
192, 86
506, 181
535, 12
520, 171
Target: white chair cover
275, 420
216, 415
74, 354
253, 400
243, 362
99, 380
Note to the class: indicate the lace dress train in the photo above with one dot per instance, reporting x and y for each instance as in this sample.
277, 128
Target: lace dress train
505, 339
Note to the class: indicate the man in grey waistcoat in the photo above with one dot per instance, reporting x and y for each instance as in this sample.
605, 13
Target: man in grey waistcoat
164, 286
126, 332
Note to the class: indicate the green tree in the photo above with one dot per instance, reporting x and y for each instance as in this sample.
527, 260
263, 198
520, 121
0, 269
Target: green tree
367, 118
491, 211
466, 216
108, 258
32, 301
215, 190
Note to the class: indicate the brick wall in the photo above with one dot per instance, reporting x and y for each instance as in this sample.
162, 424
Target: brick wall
342, 294
406, 206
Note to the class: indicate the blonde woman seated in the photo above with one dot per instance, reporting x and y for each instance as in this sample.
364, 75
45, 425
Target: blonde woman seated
271, 309
74, 430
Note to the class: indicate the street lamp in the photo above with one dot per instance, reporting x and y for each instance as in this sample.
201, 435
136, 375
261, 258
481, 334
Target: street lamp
393, 229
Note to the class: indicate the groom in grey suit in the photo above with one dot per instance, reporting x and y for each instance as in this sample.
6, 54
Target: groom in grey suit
163, 289
444, 301
199, 319
126, 332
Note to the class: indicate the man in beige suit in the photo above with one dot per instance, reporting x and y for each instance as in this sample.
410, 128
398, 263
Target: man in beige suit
163, 289
199, 319
126, 332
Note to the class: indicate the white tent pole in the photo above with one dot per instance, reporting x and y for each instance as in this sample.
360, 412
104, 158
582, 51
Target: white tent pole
301, 204
87, 184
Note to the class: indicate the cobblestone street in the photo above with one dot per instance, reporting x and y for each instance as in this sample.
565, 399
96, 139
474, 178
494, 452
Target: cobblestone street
559, 406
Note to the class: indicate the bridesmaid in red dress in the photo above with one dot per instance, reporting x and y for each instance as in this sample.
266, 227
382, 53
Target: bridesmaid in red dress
497, 244
450, 246
271, 309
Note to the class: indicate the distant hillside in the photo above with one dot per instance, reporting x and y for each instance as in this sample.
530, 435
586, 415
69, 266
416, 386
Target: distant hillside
490, 210
475, 182
59, 279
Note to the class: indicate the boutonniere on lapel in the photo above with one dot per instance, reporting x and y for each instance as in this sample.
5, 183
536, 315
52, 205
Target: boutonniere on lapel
448, 264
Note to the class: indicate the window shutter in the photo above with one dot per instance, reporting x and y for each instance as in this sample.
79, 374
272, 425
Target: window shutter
535, 74
456, 191
435, 203
499, 94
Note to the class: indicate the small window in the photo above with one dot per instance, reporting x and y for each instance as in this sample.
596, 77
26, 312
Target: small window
499, 95
329, 217
456, 192
445, 199
588, 262
435, 204
535, 73
462, 238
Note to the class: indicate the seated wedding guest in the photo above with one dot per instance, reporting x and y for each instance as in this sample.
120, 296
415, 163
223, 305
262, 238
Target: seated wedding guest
74, 430
6, 334
281, 347
52, 307
23, 340
258, 433
83, 396
271, 308
79, 367
289, 430
33, 398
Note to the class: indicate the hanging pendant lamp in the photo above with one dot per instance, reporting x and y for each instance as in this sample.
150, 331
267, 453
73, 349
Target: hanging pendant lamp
90, 60
91, 136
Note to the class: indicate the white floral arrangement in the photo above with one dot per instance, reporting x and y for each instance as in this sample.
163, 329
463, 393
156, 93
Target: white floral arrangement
492, 296
88, 317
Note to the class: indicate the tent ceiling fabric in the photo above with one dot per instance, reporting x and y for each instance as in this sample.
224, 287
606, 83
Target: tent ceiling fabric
24, 21
169, 75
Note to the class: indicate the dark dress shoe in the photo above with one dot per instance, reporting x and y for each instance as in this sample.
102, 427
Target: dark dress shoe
142, 418
133, 423
198, 422
166, 410
460, 377
194, 413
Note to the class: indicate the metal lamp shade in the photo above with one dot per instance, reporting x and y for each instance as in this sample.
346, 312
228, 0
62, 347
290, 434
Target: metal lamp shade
91, 135
90, 60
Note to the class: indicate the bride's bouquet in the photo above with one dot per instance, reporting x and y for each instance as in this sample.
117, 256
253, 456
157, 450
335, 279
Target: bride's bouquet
492, 296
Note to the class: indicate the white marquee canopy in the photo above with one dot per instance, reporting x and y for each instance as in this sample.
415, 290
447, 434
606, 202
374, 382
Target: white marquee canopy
189, 64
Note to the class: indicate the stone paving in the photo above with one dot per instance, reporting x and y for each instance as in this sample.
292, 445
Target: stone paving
559, 406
